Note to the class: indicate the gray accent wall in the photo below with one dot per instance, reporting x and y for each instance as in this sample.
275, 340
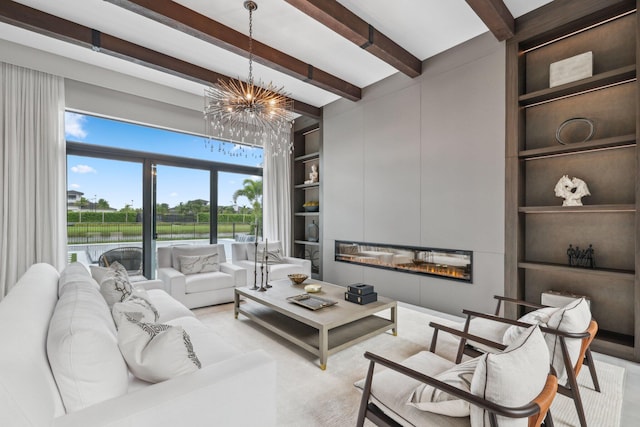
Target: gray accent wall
421, 162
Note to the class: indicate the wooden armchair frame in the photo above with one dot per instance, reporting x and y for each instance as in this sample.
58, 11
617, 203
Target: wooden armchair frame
537, 410
571, 389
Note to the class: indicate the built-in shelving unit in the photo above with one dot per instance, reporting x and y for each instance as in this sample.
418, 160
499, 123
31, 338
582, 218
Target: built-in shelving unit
538, 229
307, 152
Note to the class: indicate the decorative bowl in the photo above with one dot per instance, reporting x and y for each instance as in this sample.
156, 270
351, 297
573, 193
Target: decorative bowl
312, 288
296, 279
315, 208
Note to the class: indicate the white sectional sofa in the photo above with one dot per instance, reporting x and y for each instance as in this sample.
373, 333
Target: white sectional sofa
55, 327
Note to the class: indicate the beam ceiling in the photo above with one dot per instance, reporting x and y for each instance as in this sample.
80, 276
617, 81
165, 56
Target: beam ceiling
496, 16
350, 26
34, 20
181, 18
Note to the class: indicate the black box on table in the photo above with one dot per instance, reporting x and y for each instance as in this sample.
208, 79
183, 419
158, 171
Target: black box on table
361, 299
360, 289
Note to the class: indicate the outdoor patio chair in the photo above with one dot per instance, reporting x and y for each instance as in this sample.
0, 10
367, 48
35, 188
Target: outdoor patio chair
524, 369
569, 347
129, 257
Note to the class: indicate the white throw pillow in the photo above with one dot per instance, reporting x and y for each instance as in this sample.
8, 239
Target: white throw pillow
274, 251
138, 305
99, 273
115, 286
199, 263
538, 317
512, 378
574, 317
431, 399
156, 352
193, 250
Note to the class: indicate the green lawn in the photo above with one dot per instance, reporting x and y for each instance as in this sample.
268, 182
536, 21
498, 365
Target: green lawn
126, 231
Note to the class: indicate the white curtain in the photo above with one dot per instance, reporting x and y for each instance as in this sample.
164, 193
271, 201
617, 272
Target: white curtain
32, 172
277, 198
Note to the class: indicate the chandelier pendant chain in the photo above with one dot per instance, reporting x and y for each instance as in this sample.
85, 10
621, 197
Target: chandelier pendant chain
251, 6
249, 113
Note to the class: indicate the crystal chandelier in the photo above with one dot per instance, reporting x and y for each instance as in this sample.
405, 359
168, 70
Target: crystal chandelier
249, 113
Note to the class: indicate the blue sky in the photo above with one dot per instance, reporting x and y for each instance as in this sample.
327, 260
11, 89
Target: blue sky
120, 183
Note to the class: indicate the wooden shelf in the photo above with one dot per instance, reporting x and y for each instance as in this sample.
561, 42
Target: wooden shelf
307, 157
307, 186
574, 209
306, 242
614, 344
307, 213
608, 78
597, 144
603, 272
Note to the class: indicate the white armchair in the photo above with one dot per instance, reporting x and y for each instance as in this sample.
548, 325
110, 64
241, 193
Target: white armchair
199, 275
243, 255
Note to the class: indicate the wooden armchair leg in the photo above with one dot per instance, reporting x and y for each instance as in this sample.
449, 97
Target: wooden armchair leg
592, 370
548, 420
366, 392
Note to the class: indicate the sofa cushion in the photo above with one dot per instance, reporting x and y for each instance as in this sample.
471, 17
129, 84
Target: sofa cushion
208, 282
192, 250
138, 305
154, 351
194, 264
75, 273
512, 378
574, 317
428, 398
115, 286
83, 350
394, 389
168, 307
207, 344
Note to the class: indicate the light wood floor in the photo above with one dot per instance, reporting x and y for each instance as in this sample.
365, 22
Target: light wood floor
631, 398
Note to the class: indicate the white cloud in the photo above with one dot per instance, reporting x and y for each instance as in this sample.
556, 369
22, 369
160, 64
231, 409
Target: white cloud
83, 169
75, 186
73, 125
174, 194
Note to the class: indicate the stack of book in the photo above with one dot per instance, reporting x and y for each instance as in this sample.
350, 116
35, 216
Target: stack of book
360, 293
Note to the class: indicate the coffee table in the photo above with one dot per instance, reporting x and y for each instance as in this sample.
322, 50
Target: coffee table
321, 332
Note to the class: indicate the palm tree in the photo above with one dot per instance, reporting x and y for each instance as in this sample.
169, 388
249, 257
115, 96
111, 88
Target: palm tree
252, 190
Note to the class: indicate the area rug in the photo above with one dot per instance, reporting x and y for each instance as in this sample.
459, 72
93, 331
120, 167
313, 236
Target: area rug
308, 396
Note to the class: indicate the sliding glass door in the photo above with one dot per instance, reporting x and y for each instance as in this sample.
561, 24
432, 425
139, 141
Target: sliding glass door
104, 210
182, 206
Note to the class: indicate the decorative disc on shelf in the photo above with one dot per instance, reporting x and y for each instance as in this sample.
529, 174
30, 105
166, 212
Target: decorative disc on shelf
588, 122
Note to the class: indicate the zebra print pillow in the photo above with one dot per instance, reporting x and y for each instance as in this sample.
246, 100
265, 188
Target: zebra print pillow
156, 352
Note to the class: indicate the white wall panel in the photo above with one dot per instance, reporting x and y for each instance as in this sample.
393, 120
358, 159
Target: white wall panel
433, 174
463, 156
392, 168
342, 172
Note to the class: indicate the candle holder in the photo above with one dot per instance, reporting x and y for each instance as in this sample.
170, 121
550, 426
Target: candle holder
266, 281
255, 265
262, 288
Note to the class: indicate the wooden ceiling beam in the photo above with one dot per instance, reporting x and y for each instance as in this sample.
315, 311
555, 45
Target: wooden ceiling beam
496, 16
338, 18
35, 20
183, 19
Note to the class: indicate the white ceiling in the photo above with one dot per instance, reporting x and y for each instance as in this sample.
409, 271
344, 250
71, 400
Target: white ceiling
423, 27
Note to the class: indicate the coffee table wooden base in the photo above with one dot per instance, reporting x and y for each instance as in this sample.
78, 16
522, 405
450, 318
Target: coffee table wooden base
308, 330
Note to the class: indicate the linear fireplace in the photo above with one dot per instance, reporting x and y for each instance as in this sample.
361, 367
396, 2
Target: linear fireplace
444, 263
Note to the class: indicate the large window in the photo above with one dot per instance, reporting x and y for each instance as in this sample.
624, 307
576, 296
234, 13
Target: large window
139, 187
